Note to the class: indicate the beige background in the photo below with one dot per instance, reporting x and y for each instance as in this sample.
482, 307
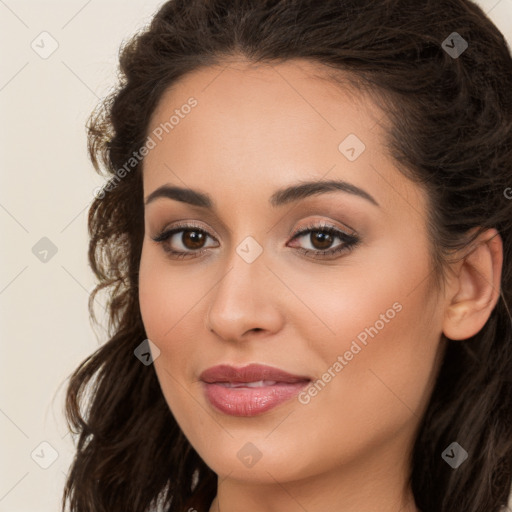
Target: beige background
47, 184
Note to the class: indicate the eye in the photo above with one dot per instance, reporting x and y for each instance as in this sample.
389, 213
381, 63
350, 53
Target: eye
189, 240
320, 239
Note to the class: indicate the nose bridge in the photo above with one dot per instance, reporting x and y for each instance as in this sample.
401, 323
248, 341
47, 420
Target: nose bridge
243, 299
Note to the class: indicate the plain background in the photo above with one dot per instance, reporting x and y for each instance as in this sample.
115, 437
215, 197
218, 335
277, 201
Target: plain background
47, 184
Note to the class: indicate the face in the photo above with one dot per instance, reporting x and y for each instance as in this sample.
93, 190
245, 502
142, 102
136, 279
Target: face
328, 284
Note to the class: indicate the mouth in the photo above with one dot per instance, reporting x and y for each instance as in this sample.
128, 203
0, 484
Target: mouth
251, 390
258, 384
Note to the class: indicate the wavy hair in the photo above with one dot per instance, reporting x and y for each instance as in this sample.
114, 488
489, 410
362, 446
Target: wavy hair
450, 130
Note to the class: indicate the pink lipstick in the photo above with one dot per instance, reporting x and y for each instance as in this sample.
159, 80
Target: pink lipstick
250, 390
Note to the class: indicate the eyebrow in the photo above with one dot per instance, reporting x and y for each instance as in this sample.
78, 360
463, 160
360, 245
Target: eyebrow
280, 197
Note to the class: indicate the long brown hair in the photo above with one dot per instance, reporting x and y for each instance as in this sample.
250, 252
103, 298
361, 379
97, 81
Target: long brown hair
450, 112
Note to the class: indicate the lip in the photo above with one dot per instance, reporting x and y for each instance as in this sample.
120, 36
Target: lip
224, 388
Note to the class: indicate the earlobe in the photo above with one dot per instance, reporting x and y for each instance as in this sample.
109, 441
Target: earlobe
476, 287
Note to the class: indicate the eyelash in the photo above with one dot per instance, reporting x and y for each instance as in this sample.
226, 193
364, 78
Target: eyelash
349, 241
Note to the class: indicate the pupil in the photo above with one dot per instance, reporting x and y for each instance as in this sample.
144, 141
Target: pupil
193, 238
325, 240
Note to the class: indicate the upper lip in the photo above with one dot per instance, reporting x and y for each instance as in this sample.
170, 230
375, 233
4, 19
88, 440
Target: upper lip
250, 373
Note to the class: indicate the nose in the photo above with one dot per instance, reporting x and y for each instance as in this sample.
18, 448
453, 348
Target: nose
245, 301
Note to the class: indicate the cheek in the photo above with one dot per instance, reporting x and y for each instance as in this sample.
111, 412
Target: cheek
375, 372
171, 308
151, 300
366, 298
162, 305
167, 297
376, 328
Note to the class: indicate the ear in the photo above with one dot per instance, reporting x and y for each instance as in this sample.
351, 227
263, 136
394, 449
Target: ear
475, 289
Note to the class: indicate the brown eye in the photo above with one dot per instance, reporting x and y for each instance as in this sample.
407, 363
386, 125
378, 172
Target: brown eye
318, 241
189, 241
321, 241
193, 239
183, 241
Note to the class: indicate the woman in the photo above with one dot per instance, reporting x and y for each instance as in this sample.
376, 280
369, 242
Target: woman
306, 237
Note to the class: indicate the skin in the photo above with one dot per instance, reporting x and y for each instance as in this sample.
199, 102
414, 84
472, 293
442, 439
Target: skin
257, 129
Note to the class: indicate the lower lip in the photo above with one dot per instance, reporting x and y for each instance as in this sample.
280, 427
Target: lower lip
245, 401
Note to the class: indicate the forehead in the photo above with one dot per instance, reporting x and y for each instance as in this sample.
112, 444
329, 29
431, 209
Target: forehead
266, 126
245, 101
